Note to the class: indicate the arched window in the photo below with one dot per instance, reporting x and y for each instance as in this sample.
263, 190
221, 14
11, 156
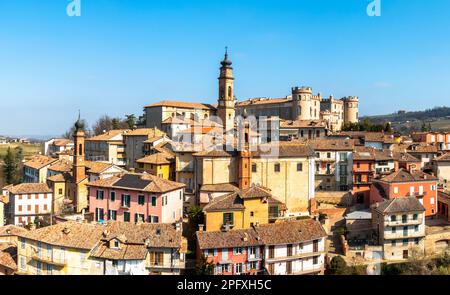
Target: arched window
230, 93
80, 149
222, 92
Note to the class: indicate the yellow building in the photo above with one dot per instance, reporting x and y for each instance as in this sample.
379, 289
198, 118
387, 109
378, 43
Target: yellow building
160, 164
77, 248
246, 208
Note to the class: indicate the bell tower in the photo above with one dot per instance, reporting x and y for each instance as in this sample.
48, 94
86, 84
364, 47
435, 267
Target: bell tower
225, 108
79, 166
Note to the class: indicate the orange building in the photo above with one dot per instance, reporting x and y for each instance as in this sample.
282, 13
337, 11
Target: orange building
401, 184
363, 172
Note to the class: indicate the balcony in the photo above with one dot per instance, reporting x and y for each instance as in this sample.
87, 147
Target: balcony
401, 235
293, 257
60, 262
408, 221
165, 265
254, 257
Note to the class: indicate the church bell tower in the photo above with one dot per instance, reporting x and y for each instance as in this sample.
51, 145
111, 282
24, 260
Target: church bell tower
225, 108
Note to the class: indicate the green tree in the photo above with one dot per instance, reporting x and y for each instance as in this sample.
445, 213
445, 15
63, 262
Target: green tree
204, 267
337, 266
10, 167
131, 121
196, 216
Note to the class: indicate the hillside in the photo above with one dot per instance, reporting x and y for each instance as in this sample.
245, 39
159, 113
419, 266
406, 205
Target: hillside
437, 118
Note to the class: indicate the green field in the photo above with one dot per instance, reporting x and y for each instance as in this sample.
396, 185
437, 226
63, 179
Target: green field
28, 149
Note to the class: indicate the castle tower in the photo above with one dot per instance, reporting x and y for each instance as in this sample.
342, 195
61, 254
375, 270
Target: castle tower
351, 109
244, 157
302, 103
79, 167
225, 108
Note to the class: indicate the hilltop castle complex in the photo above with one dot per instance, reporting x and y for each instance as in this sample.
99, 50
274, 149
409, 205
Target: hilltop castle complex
300, 105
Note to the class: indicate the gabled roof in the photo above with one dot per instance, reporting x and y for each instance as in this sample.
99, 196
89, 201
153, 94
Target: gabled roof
405, 157
11, 230
150, 132
287, 232
157, 159
399, 205
61, 166
404, 176
108, 136
30, 188
221, 187
138, 181
332, 144
39, 161
181, 104
284, 149
443, 158
235, 200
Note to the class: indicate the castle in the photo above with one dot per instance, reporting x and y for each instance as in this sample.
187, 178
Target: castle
301, 105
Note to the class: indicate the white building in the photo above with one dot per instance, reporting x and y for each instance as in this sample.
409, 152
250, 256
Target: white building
28, 201
400, 223
57, 145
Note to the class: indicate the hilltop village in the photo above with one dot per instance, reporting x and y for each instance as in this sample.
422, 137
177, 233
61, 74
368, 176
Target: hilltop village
258, 186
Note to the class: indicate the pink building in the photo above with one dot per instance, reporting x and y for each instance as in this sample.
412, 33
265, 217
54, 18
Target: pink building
136, 197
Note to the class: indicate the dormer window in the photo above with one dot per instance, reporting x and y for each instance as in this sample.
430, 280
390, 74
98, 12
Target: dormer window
116, 244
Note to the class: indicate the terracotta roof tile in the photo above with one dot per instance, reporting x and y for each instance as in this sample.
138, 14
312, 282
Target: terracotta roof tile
39, 161
221, 187
181, 104
331, 144
286, 232
30, 188
404, 176
399, 205
108, 136
158, 159
138, 181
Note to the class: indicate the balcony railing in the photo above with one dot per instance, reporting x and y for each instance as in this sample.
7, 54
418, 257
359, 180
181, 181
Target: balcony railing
56, 261
176, 264
295, 256
403, 221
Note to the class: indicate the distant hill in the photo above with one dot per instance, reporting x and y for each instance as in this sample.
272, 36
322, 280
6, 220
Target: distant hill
437, 118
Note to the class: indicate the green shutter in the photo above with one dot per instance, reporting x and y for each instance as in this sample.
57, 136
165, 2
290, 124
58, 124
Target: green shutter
224, 218
232, 218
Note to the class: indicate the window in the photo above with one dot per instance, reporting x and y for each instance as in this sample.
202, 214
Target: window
396, 190
112, 214
153, 219
112, 196
432, 201
125, 201
45, 207
99, 214
289, 250
315, 260
329, 155
404, 218
299, 166
126, 216
393, 243
60, 191
228, 218
238, 268
416, 241
405, 242
394, 230
153, 201
237, 251
415, 216
20, 208
276, 168
416, 228
254, 168
22, 262
22, 244
141, 200
271, 251
358, 165
252, 213
393, 217
100, 195
139, 217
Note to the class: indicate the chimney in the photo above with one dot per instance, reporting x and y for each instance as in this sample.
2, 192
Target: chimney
66, 230
178, 226
201, 227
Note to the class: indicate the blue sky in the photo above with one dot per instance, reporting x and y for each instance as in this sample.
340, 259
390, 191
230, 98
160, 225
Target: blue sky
119, 56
